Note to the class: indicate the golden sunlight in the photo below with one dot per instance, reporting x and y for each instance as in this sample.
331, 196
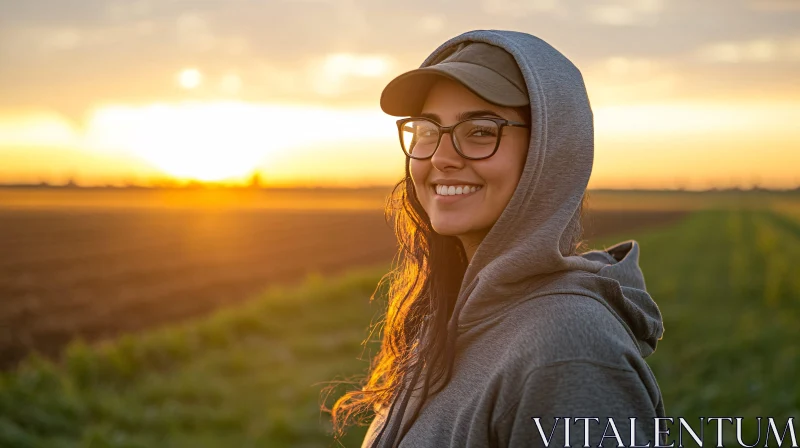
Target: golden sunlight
654, 144
226, 140
194, 141
190, 78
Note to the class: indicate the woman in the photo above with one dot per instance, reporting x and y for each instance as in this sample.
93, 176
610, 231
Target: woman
497, 329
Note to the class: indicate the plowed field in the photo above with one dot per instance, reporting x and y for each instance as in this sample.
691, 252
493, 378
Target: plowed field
96, 272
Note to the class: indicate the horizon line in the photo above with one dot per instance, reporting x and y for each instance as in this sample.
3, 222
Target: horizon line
196, 185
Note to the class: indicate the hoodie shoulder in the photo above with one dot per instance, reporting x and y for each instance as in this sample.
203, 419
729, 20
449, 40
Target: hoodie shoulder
568, 327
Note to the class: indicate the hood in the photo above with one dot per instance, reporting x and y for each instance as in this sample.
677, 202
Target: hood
526, 253
620, 286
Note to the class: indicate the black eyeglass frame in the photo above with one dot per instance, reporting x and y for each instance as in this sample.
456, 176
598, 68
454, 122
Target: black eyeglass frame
501, 123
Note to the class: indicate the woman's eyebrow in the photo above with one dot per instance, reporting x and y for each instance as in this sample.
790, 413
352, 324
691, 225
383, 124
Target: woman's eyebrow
464, 115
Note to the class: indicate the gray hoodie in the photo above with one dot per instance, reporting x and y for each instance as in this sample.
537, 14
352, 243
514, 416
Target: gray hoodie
540, 334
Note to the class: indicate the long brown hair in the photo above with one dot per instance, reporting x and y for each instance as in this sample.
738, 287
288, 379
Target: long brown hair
423, 287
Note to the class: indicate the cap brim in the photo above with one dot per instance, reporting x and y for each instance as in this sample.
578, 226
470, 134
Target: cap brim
405, 95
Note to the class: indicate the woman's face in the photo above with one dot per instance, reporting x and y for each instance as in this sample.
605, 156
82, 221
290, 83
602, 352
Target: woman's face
470, 216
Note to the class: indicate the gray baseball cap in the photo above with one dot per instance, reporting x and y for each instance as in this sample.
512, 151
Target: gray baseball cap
487, 70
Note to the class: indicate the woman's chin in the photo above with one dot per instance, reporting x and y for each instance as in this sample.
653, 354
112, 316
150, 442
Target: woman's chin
449, 228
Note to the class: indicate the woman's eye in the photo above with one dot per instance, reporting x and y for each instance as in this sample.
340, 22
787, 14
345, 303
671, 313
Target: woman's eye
482, 133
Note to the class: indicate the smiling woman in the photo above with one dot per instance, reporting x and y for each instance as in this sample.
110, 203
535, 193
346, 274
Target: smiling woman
494, 316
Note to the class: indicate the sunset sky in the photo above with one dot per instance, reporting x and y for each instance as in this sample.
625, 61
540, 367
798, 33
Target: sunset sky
691, 94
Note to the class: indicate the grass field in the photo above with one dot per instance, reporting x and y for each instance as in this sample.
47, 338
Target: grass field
725, 279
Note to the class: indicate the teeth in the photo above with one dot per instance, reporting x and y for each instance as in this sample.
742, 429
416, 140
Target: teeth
451, 190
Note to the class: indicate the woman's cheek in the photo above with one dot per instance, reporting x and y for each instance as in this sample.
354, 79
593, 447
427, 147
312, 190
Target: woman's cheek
418, 176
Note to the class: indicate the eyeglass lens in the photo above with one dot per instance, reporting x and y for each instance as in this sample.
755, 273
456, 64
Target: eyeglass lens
474, 138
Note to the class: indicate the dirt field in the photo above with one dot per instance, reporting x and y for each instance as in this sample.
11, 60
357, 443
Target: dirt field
98, 271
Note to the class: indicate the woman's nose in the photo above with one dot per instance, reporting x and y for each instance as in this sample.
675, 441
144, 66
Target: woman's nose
446, 154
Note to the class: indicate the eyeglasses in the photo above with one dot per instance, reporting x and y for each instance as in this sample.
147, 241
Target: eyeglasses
473, 138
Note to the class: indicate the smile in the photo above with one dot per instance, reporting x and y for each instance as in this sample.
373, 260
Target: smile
450, 190
455, 191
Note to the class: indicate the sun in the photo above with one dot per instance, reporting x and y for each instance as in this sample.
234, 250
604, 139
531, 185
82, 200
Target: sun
228, 141
207, 142
190, 78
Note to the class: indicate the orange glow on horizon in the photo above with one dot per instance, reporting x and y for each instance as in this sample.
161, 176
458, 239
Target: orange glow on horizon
691, 145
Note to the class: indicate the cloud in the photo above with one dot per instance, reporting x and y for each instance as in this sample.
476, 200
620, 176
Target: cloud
59, 39
430, 24
774, 5
128, 9
129, 50
629, 66
195, 34
338, 73
762, 50
626, 13
352, 18
65, 39
520, 8
628, 79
